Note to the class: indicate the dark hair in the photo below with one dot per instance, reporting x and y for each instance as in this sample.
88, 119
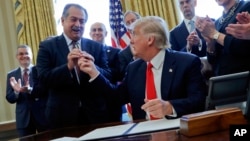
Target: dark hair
66, 8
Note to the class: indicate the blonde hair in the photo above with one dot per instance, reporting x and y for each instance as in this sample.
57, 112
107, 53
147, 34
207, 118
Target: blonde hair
155, 26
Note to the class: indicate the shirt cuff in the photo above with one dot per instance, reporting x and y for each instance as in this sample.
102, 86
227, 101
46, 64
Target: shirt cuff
92, 79
16, 93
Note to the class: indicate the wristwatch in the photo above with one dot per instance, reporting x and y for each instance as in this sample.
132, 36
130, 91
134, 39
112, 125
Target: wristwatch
216, 35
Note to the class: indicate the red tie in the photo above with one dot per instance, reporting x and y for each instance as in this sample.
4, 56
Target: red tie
25, 76
150, 85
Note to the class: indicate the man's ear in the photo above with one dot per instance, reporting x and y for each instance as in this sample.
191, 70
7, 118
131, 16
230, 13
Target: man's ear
151, 39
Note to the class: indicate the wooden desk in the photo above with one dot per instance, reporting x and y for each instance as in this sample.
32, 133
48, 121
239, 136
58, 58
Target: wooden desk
167, 135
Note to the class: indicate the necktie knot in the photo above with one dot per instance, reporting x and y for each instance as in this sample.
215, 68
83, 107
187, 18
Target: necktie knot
74, 44
150, 65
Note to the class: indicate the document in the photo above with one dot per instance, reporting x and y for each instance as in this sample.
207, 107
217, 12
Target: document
155, 125
65, 139
112, 131
131, 128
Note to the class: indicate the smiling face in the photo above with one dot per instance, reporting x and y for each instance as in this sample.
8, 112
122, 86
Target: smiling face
74, 23
98, 32
24, 56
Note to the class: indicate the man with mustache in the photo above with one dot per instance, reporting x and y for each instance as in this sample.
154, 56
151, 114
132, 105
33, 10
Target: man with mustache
71, 100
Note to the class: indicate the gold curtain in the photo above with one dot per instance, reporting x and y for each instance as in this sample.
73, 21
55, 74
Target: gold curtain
162, 8
34, 22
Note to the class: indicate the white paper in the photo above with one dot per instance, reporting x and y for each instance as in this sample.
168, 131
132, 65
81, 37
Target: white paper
111, 131
131, 128
65, 139
155, 125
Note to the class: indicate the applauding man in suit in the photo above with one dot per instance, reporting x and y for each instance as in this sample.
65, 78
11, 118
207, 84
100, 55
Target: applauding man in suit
179, 87
30, 117
185, 37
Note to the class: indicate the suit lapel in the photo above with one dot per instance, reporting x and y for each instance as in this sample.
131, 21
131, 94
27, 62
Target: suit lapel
168, 72
183, 30
62, 46
30, 78
84, 46
18, 74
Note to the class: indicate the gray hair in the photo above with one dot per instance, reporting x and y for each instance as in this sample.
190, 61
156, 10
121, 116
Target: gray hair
137, 15
66, 8
155, 26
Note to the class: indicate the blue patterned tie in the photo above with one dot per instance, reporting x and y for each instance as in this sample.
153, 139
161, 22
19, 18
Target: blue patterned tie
192, 26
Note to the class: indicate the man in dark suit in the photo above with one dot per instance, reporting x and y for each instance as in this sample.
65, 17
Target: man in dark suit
30, 117
126, 55
71, 101
98, 33
184, 37
180, 88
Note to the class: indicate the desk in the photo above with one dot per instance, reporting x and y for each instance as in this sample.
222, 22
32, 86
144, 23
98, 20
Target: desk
167, 135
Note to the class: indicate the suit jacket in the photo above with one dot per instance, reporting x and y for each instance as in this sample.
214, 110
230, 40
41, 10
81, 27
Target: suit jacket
27, 104
113, 62
125, 57
70, 103
181, 83
114, 107
178, 40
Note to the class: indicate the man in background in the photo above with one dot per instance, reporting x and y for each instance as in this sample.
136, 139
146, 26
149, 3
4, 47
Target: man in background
98, 33
126, 55
30, 107
185, 37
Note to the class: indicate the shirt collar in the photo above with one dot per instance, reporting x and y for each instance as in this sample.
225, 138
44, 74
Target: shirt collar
187, 21
69, 41
157, 61
30, 66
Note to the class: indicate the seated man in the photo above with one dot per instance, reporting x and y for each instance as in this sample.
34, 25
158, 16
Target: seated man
179, 86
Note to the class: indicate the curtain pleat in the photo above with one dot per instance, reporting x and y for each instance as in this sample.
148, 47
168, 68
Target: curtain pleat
167, 9
34, 22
